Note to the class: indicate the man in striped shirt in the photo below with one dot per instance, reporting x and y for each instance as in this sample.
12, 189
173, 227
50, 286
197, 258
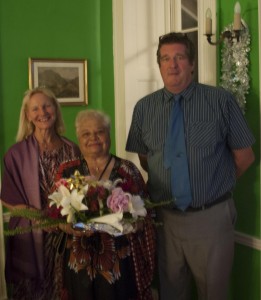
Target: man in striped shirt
200, 240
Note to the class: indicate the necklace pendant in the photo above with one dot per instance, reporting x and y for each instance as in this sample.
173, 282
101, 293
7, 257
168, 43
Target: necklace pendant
100, 172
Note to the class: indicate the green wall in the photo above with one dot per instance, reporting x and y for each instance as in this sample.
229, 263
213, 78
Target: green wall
54, 29
245, 282
245, 279
247, 192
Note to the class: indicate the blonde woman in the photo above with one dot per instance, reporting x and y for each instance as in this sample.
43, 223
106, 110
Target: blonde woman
29, 169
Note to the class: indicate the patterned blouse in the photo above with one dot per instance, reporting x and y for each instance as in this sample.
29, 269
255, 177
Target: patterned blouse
100, 265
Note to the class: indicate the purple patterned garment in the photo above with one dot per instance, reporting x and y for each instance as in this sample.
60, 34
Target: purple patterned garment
28, 179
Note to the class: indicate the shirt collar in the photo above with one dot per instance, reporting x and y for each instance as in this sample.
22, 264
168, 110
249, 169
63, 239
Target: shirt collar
168, 96
186, 94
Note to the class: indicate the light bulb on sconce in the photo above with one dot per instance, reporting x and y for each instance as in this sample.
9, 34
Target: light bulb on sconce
208, 21
230, 35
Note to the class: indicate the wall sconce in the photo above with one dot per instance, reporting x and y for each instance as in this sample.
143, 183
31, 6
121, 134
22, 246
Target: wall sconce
231, 35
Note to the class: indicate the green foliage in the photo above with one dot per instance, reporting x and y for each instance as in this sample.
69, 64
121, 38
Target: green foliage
38, 221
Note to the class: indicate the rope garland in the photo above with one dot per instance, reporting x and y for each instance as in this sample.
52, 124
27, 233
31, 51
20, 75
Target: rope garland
235, 64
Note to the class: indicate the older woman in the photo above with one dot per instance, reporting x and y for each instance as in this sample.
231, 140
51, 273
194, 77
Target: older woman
99, 266
29, 169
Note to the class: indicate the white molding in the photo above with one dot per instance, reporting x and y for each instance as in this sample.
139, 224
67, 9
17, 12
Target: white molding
247, 240
207, 54
167, 11
175, 15
119, 82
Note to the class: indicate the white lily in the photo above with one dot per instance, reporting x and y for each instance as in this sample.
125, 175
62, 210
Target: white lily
72, 203
58, 196
68, 210
136, 207
113, 220
84, 189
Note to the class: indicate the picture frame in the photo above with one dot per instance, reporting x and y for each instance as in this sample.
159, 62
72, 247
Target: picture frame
67, 78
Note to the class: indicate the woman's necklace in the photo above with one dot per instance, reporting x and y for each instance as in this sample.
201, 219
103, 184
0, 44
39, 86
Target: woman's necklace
49, 146
105, 168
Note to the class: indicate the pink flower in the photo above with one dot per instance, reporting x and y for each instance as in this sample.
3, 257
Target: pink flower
118, 200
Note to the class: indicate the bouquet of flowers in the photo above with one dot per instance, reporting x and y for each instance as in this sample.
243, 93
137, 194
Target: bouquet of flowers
97, 205
88, 204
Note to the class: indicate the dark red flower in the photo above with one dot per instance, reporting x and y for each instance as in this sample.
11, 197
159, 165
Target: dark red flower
93, 205
129, 186
53, 212
92, 192
102, 192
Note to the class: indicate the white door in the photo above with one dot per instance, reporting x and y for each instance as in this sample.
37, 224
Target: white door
143, 24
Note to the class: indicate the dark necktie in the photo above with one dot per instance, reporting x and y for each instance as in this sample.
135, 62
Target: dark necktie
175, 157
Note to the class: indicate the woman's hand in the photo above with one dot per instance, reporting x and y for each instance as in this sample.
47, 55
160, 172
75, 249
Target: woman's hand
67, 228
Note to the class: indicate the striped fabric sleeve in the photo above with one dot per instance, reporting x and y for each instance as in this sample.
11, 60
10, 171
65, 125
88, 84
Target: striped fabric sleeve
134, 141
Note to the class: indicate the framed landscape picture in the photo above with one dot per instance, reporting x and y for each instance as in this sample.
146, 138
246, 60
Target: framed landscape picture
67, 78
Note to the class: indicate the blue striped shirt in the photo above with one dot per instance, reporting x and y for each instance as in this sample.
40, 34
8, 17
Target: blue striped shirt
214, 124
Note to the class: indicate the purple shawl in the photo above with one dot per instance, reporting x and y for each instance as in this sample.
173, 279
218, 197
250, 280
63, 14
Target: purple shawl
20, 185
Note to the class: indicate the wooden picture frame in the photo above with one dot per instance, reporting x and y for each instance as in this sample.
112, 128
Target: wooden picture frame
67, 78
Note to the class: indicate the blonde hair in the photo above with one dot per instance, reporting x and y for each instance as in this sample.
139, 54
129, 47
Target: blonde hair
92, 114
26, 127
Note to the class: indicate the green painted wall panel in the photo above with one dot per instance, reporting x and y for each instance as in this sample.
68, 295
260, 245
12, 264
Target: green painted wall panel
245, 279
247, 193
54, 29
